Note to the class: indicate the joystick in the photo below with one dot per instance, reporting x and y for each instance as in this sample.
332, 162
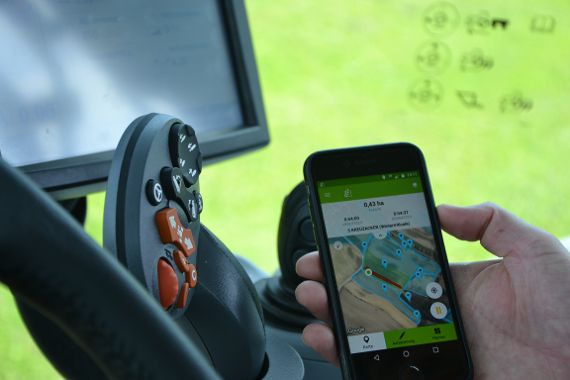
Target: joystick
295, 238
153, 206
152, 225
285, 317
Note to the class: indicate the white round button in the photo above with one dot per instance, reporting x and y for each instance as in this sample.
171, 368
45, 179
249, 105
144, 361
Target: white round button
438, 310
434, 290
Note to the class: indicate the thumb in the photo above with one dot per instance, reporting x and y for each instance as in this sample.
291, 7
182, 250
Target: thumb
499, 231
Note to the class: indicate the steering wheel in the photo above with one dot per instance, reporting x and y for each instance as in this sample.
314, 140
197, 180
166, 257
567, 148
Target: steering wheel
68, 278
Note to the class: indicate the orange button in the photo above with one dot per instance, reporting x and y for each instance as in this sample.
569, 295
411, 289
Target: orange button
183, 297
191, 276
172, 231
181, 262
186, 244
167, 284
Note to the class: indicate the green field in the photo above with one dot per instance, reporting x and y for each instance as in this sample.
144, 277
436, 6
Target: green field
344, 73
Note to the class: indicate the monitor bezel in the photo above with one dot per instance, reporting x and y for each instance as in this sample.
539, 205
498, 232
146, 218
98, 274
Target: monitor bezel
78, 176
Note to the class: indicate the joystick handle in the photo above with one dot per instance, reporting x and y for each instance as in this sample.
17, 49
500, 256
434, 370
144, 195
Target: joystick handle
295, 239
152, 225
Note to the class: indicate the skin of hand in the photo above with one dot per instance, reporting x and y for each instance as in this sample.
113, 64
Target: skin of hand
515, 310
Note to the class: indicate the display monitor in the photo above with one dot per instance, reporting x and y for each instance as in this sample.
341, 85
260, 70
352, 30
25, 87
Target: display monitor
74, 74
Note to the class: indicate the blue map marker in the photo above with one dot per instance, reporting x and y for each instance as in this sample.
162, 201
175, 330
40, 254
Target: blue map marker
385, 263
399, 252
364, 244
408, 296
384, 287
410, 243
419, 272
417, 314
401, 236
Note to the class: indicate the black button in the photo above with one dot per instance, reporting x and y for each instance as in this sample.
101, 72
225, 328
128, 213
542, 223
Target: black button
411, 373
154, 192
306, 230
173, 182
199, 201
193, 209
185, 152
176, 190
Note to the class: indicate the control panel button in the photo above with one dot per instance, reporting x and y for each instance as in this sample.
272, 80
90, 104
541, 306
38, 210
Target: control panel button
181, 261
183, 297
175, 189
184, 151
199, 201
154, 192
167, 283
191, 276
193, 207
171, 231
173, 182
186, 243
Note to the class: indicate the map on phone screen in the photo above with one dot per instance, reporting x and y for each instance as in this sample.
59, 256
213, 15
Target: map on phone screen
387, 269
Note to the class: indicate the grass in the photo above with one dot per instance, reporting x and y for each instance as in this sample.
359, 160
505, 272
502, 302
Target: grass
337, 73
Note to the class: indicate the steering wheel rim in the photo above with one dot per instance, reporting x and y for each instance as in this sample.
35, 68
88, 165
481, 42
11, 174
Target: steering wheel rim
67, 277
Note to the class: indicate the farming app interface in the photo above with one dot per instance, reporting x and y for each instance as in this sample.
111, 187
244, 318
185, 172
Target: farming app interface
387, 269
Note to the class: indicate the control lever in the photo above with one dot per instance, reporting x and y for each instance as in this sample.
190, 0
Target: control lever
295, 238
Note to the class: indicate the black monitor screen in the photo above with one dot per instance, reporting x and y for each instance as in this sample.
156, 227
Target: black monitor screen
74, 74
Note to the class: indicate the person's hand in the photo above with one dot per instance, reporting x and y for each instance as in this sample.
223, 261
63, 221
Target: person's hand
516, 310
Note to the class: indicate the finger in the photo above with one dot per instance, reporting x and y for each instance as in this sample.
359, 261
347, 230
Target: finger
499, 231
313, 296
321, 339
309, 267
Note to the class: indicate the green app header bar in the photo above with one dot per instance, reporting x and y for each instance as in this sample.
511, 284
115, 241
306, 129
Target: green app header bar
381, 185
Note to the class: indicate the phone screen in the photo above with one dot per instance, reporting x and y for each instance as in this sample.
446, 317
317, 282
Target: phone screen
388, 271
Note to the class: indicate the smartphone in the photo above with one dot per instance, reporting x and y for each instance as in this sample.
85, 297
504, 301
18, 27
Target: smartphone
391, 297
